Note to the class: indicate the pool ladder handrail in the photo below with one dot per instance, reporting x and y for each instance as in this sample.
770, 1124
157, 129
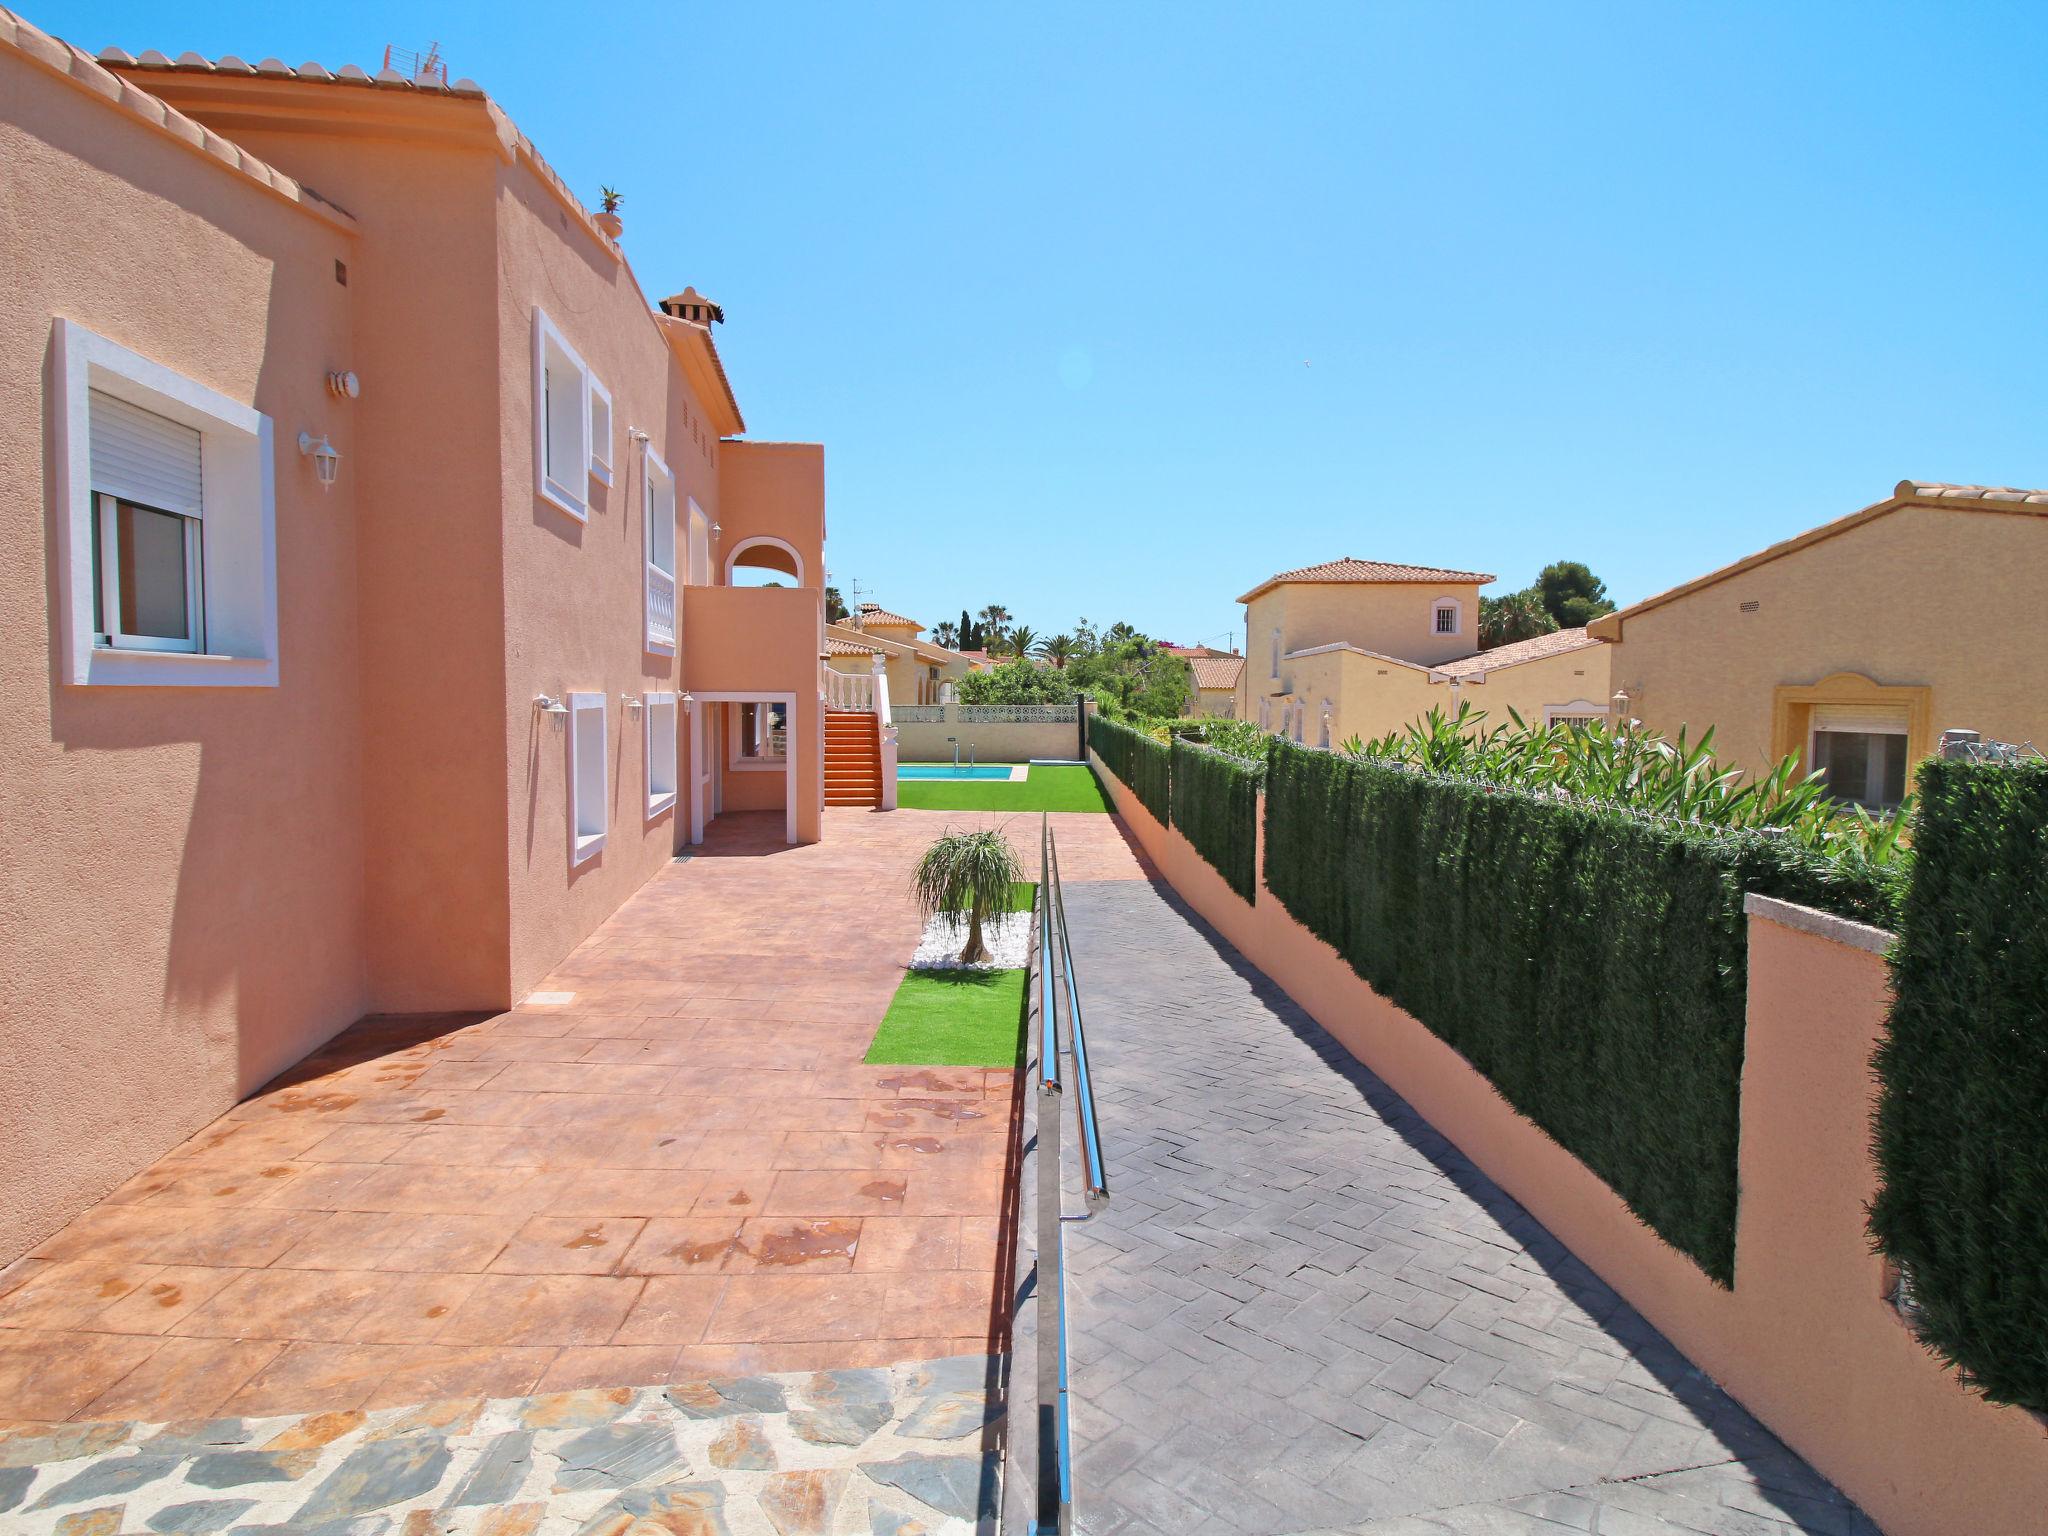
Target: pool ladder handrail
1054, 959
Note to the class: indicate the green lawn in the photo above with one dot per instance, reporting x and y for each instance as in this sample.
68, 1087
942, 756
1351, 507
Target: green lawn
1066, 788
953, 1019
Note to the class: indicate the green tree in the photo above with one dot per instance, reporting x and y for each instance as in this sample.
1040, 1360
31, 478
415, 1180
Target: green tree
1514, 616
1571, 594
1135, 675
1016, 681
835, 606
1021, 641
1058, 650
971, 872
944, 634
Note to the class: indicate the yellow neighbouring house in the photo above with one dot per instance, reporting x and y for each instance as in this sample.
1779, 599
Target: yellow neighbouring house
1857, 643
1363, 647
917, 669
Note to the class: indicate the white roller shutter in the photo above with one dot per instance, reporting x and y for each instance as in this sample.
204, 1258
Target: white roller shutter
1876, 719
143, 457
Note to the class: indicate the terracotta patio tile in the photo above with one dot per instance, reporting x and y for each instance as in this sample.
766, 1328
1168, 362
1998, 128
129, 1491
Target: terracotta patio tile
683, 1245
430, 1242
431, 1372
933, 1115
805, 1245
185, 1379
823, 1150
567, 1245
798, 1308
170, 1294
423, 1189
542, 1309
305, 1378
47, 1375
410, 1308
286, 1304
583, 1077
460, 1076
505, 1050
466, 1146
638, 1053
948, 1304
605, 1365
71, 1293
908, 1243
737, 1149
955, 1191
671, 1311
843, 1192
738, 1193
245, 1237
356, 1144
628, 1192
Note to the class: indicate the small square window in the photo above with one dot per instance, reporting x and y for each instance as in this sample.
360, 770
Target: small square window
589, 799
1446, 622
660, 714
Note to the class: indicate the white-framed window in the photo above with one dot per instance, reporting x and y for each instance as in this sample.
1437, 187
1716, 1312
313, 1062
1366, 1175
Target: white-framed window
698, 573
561, 420
1446, 616
167, 524
1862, 753
758, 734
659, 504
589, 799
660, 716
1580, 712
600, 432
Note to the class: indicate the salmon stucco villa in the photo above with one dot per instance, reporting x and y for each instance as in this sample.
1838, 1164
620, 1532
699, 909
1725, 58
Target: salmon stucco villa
376, 629
1362, 647
1854, 645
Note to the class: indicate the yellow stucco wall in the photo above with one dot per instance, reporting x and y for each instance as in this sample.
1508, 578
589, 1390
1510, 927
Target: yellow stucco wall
1531, 687
1393, 618
1924, 597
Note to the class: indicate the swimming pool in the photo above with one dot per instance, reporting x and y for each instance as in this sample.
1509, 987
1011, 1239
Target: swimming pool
964, 771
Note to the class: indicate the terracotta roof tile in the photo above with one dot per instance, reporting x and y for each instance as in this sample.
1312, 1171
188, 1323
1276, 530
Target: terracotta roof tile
1216, 671
1350, 570
834, 646
1554, 644
875, 613
1936, 491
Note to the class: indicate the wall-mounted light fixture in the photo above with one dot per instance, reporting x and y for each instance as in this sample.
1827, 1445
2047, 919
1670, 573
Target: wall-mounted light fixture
344, 385
326, 458
548, 706
637, 435
631, 701
689, 704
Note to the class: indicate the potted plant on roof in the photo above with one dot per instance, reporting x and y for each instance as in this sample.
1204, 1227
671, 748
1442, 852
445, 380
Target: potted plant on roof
607, 215
971, 872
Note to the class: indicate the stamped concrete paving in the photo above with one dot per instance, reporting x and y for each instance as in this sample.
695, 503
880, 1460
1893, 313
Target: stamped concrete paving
675, 1164
1305, 1310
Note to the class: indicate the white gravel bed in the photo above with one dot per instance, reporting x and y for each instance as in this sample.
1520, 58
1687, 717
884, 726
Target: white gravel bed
1007, 934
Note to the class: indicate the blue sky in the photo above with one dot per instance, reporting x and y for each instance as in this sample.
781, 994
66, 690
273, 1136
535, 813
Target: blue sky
1115, 309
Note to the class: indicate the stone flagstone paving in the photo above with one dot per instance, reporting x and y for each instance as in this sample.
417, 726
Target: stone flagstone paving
895, 1452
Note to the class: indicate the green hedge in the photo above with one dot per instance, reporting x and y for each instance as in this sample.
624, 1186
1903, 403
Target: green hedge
1962, 1120
1137, 758
1591, 963
1215, 801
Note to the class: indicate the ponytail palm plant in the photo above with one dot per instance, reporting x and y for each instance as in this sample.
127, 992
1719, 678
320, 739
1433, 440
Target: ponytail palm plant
969, 872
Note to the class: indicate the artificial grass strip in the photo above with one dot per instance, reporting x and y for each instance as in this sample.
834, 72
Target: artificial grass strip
1069, 787
953, 1019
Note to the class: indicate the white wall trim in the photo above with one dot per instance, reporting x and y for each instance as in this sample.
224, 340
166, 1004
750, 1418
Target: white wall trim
1438, 605
1356, 650
1574, 707
660, 802
732, 559
573, 496
789, 757
586, 845
239, 541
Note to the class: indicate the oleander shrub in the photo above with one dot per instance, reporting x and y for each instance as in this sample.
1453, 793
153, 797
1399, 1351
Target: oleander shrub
1589, 960
1962, 1118
1137, 757
1215, 802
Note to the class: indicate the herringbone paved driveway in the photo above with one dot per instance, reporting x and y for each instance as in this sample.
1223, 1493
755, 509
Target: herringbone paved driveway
1305, 1310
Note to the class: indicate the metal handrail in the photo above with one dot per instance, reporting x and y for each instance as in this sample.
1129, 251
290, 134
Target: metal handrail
1055, 959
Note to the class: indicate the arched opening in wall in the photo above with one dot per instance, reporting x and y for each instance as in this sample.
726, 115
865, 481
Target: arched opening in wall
764, 561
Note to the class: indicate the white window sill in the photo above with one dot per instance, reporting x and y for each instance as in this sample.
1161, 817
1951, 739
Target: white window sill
586, 847
120, 667
659, 804
601, 473
661, 648
565, 500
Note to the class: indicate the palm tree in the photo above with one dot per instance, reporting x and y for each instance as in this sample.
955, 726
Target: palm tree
971, 872
1119, 632
1514, 616
992, 619
945, 633
1058, 650
1023, 640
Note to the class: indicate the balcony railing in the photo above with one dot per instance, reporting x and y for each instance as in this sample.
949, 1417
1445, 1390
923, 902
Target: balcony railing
661, 608
849, 690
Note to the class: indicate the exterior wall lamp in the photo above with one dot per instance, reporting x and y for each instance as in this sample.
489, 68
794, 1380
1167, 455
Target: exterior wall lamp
325, 456
631, 701
548, 706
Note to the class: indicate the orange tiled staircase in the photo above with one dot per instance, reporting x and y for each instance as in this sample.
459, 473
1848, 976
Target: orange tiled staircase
853, 758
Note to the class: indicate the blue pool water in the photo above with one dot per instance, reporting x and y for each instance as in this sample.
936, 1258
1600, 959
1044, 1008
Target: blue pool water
948, 771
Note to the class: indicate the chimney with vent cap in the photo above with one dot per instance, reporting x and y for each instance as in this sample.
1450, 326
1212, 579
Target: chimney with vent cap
692, 305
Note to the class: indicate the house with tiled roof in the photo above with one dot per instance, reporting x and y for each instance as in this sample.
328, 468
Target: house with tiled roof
1855, 644
918, 670
382, 624
1216, 678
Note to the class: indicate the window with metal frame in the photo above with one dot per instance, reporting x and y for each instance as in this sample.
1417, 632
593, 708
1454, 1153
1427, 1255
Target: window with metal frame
561, 411
147, 529
662, 777
589, 799
659, 500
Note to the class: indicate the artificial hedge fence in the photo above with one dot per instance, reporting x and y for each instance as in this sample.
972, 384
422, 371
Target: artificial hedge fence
1215, 800
1137, 758
1591, 963
1962, 1117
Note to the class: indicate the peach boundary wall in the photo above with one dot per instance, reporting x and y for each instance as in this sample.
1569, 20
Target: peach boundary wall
1805, 1340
